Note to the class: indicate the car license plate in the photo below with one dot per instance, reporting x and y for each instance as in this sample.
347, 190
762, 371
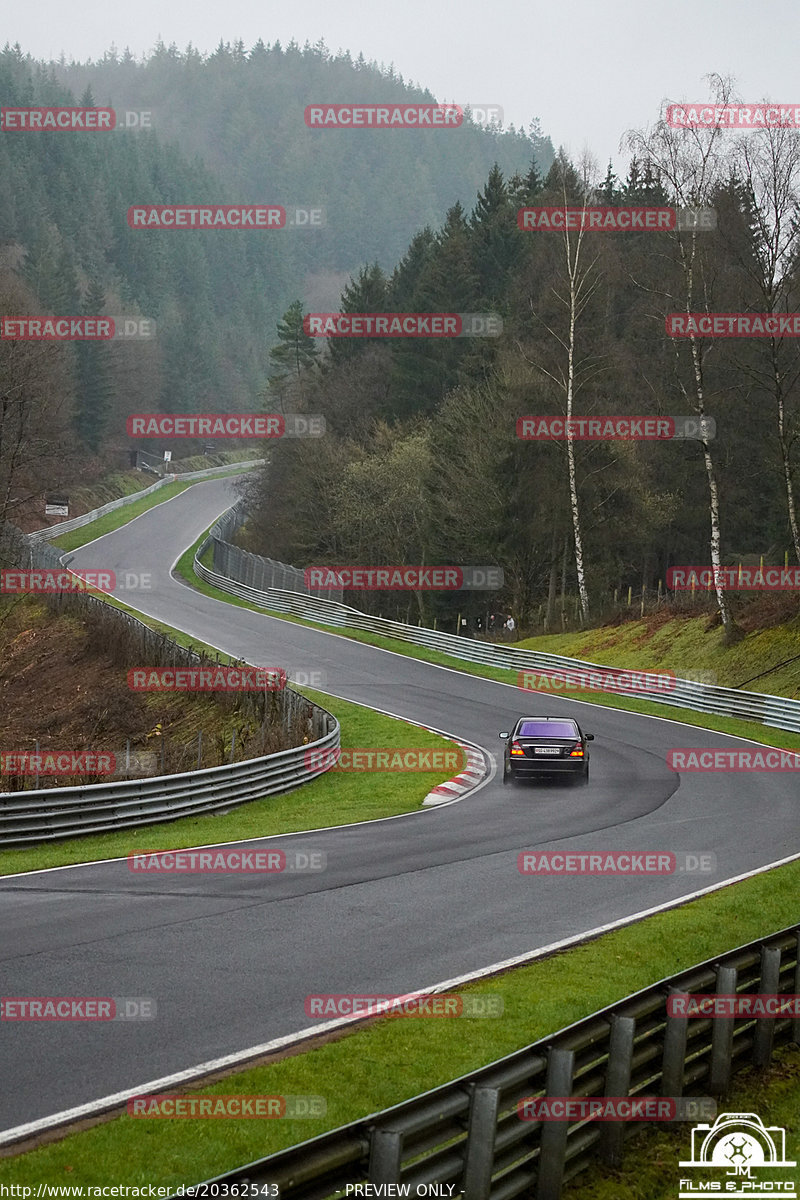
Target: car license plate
547, 749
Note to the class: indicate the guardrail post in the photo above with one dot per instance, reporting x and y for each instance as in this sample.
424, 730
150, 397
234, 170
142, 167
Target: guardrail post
722, 1036
553, 1139
618, 1083
674, 1057
386, 1147
796, 1021
765, 1026
477, 1177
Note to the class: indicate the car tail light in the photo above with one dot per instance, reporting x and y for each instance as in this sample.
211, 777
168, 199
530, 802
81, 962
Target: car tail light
577, 752
516, 748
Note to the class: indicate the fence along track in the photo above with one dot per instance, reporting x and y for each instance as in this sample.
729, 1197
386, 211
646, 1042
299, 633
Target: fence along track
47, 814
467, 1132
243, 574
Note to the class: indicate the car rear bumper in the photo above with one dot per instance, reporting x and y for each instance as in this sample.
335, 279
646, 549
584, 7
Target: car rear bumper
548, 766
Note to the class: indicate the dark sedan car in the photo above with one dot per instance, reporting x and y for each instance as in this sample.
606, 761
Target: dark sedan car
546, 746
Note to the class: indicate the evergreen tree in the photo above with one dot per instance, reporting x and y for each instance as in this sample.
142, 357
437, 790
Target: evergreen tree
368, 293
609, 191
495, 244
92, 390
296, 350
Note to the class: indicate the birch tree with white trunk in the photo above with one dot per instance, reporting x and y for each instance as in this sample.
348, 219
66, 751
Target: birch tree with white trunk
692, 163
768, 164
578, 284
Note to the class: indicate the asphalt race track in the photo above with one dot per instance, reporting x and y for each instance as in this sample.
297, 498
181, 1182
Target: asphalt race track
403, 903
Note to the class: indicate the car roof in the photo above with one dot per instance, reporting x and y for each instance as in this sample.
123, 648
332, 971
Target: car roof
548, 720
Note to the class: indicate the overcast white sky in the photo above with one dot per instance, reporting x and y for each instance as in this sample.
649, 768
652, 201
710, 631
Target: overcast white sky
588, 69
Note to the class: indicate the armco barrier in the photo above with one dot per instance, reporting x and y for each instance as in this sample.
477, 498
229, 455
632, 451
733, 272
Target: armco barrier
51, 813
46, 814
468, 1133
51, 531
776, 711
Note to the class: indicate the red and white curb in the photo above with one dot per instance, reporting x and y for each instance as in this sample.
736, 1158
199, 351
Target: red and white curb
474, 773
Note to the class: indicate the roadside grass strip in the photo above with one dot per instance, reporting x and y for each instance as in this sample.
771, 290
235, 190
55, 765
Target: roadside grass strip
379, 1063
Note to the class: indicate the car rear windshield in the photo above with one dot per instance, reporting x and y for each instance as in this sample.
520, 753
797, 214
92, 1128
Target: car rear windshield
561, 729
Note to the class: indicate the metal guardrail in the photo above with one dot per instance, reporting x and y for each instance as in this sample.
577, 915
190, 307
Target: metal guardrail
778, 712
468, 1133
47, 814
221, 470
51, 813
42, 535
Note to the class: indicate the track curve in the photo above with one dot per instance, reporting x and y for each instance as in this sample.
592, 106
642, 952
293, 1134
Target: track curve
404, 902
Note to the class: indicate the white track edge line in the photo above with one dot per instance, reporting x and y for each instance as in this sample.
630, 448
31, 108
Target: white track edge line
116, 1099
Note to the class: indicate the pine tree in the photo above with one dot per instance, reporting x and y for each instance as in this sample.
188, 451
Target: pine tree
608, 191
366, 294
92, 389
296, 350
494, 243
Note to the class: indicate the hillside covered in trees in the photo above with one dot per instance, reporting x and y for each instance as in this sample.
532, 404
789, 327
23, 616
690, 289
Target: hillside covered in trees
423, 463
224, 128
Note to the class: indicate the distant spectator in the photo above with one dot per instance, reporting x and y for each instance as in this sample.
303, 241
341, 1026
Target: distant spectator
510, 625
